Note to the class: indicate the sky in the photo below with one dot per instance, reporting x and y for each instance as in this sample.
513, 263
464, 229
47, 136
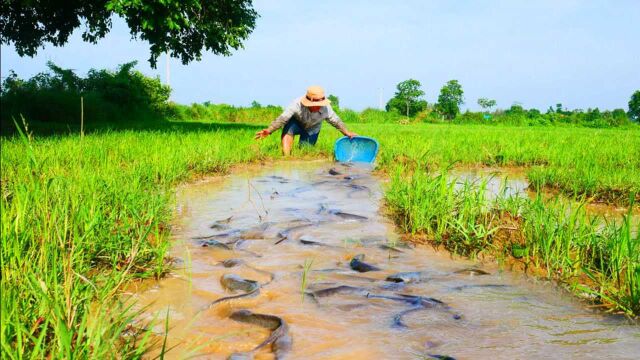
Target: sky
582, 54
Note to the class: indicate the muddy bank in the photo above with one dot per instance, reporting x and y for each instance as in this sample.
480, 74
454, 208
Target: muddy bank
281, 242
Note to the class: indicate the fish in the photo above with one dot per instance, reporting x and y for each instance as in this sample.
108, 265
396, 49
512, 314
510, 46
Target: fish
214, 243
441, 357
342, 289
357, 187
397, 319
279, 339
221, 224
229, 263
471, 271
280, 179
390, 248
232, 262
494, 286
393, 286
219, 235
407, 277
334, 172
306, 241
418, 303
415, 300
234, 282
256, 232
348, 216
357, 264
284, 234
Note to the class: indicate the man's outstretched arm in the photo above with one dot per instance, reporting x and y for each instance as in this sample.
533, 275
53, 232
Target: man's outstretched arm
334, 119
279, 121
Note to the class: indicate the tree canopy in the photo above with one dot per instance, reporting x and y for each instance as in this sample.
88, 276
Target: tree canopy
450, 99
182, 28
634, 106
486, 104
408, 98
335, 101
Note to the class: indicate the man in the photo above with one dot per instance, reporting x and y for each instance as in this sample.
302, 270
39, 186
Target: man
304, 117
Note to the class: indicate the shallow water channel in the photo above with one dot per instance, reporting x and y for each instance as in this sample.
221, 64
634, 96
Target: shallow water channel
462, 313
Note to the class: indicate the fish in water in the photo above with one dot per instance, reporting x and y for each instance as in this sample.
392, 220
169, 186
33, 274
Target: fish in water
214, 243
471, 271
393, 286
441, 357
221, 224
231, 233
493, 286
408, 277
305, 240
232, 262
348, 216
256, 232
234, 282
356, 188
284, 234
342, 289
279, 339
334, 172
390, 248
357, 264
418, 303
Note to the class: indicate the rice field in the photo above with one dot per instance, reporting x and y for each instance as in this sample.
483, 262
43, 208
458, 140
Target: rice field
83, 217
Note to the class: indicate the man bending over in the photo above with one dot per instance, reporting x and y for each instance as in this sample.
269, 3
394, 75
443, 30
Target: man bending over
304, 117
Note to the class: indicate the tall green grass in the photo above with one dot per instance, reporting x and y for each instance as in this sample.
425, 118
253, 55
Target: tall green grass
588, 253
81, 218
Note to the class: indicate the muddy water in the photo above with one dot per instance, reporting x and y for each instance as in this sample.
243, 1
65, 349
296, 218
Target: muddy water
499, 315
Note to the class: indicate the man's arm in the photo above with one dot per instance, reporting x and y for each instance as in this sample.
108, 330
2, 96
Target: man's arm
334, 119
280, 120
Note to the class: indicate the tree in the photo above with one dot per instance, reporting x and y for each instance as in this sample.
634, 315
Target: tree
335, 102
255, 105
408, 98
180, 28
486, 104
450, 99
634, 106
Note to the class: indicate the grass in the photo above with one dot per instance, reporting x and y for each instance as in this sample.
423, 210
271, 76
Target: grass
306, 268
81, 218
593, 257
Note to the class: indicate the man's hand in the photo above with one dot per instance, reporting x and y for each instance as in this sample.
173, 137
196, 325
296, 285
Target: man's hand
262, 134
350, 134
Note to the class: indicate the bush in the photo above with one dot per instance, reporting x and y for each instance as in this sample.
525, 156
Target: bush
109, 96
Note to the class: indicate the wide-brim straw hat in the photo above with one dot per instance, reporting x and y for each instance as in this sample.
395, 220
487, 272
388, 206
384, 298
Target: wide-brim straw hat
315, 97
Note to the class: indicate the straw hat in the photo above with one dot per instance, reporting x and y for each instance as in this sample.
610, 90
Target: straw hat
315, 97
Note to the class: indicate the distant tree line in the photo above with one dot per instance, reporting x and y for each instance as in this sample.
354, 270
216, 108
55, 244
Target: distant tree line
126, 96
409, 101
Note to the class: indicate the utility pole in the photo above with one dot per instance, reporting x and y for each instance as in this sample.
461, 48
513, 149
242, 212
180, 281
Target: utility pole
380, 99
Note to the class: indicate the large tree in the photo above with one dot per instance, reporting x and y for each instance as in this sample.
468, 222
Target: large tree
408, 98
183, 28
634, 106
450, 99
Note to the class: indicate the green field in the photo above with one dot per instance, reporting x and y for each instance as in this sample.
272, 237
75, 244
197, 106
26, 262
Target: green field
82, 217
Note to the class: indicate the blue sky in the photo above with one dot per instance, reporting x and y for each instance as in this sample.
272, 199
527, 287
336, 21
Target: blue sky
538, 53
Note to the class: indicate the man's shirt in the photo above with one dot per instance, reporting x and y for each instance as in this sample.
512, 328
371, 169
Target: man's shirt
310, 121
